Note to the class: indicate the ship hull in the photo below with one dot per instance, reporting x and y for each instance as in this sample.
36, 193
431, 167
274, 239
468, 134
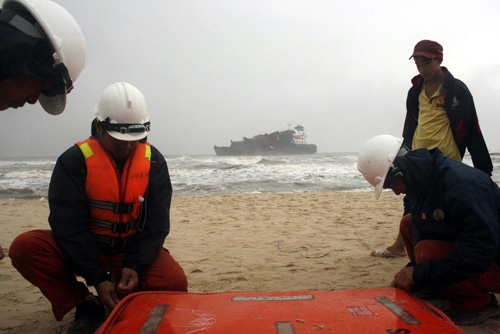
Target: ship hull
291, 149
288, 142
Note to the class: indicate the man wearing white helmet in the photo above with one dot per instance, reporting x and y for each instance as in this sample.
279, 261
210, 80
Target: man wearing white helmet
109, 199
42, 53
452, 234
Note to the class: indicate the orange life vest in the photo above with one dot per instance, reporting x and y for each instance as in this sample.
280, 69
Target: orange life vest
114, 200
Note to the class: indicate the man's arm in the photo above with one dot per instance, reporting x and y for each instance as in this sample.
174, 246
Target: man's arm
467, 130
411, 118
69, 216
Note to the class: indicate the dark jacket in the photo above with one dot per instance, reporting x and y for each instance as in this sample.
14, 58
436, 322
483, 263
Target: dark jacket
452, 202
461, 111
69, 217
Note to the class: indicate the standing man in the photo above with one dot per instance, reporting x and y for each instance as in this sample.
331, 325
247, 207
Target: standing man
42, 53
440, 112
109, 200
452, 235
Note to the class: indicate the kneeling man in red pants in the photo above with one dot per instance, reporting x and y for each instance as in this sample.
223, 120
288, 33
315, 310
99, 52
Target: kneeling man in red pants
452, 234
109, 199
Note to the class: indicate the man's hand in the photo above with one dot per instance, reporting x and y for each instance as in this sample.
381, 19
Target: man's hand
128, 282
106, 292
404, 279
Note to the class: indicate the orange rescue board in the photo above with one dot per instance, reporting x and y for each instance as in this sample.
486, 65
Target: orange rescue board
380, 310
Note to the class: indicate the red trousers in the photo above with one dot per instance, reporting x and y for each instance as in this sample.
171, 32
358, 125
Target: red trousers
467, 295
37, 257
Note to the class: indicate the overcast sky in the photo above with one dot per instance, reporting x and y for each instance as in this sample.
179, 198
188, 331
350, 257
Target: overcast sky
216, 70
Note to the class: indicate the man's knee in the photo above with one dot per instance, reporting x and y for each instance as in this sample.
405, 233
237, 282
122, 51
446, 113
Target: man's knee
405, 224
28, 245
22, 245
166, 274
432, 250
171, 281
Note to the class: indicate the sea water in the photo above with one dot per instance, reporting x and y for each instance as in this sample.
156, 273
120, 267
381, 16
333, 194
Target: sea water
210, 174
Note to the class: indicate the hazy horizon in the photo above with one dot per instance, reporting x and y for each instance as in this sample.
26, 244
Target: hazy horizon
218, 70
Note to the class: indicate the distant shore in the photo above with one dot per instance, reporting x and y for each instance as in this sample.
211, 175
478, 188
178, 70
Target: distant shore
240, 242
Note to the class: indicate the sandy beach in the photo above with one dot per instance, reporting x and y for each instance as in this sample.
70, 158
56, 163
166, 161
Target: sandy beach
243, 242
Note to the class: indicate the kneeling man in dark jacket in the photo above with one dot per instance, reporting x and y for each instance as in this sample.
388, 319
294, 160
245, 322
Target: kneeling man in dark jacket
452, 234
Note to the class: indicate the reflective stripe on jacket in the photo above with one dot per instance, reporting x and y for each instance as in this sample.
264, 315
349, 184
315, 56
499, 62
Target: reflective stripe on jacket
114, 200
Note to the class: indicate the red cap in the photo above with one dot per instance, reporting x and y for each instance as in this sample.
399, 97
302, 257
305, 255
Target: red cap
428, 49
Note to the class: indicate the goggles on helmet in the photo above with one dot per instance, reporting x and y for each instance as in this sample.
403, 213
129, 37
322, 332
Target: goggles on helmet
125, 127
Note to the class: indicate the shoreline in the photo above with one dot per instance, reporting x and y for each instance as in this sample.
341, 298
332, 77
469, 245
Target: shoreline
241, 242
174, 195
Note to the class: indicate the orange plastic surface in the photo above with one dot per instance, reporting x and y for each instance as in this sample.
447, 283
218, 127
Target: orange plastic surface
381, 310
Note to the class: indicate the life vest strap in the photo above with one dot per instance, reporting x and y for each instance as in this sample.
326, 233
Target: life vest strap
114, 227
113, 206
113, 242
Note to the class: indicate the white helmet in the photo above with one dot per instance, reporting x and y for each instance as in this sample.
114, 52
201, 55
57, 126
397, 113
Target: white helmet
376, 157
123, 113
65, 36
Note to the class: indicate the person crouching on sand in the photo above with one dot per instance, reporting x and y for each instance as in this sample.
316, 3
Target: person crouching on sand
452, 233
109, 199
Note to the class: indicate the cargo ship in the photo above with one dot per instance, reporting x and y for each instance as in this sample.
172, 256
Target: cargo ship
286, 142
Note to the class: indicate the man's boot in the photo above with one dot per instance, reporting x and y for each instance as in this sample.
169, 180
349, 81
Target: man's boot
89, 315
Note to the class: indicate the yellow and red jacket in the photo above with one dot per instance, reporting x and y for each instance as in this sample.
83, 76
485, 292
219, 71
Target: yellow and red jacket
115, 200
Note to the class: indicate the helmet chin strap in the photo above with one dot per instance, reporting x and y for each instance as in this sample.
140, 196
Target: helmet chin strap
62, 71
403, 150
393, 174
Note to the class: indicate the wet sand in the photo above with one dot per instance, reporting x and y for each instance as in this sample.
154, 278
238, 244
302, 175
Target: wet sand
242, 242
